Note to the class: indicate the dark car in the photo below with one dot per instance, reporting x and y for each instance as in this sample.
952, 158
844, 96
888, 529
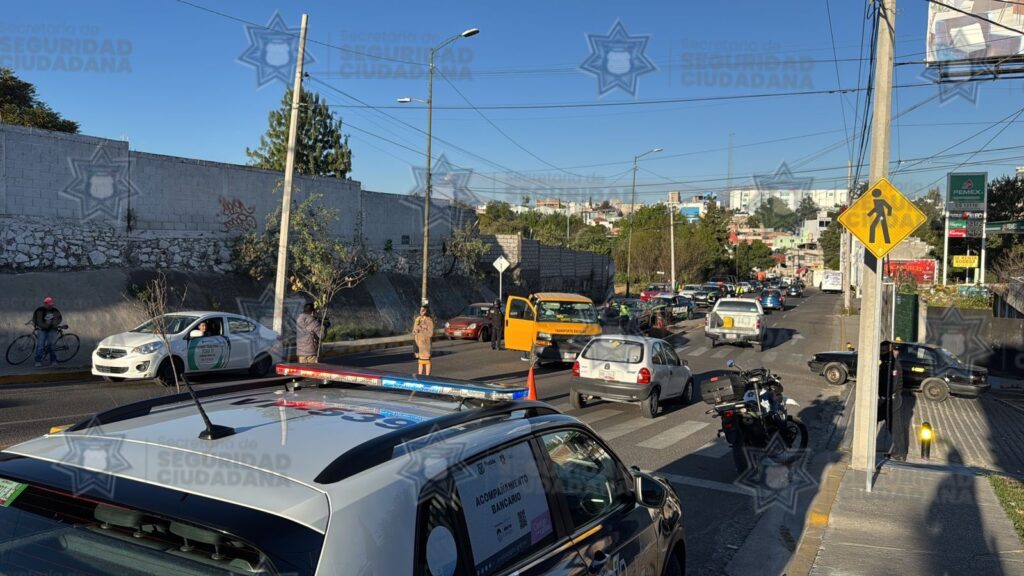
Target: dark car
472, 323
706, 297
933, 370
682, 307
795, 291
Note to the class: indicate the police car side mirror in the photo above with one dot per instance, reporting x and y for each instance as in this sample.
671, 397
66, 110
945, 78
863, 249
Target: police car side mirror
195, 334
649, 492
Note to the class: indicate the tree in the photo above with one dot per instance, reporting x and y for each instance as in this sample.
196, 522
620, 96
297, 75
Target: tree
830, 242
466, 247
773, 213
321, 149
931, 231
152, 300
19, 105
1010, 264
753, 221
806, 210
756, 255
1005, 202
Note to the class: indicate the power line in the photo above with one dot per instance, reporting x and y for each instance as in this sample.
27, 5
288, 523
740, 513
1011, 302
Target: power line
835, 61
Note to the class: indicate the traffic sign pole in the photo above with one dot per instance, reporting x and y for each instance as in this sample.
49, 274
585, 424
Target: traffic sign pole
945, 248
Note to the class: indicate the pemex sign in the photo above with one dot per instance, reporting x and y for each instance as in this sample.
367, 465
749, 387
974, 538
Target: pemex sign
966, 192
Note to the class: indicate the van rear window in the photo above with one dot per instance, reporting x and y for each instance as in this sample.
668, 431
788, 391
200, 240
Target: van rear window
611, 350
749, 307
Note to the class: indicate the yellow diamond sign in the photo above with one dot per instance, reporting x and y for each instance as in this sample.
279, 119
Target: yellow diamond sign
882, 218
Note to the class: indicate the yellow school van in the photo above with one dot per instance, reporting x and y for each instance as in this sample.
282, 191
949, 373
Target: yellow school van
554, 325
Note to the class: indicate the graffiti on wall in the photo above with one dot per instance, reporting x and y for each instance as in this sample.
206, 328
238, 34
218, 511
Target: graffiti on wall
236, 216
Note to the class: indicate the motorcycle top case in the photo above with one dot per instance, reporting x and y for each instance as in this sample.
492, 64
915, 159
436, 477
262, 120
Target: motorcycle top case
723, 388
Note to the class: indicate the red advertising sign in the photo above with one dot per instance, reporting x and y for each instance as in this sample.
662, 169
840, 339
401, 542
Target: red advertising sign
922, 271
958, 232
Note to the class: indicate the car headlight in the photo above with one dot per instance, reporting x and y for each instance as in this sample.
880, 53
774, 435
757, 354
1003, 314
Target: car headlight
472, 326
447, 324
148, 348
544, 336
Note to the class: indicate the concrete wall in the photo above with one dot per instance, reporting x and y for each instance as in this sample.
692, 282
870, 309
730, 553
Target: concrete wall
536, 268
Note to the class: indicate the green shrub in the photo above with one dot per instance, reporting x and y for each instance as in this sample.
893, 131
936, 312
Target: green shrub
352, 331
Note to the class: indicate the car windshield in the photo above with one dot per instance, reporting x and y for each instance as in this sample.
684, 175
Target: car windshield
167, 324
949, 357
570, 312
737, 306
614, 350
691, 287
474, 311
770, 294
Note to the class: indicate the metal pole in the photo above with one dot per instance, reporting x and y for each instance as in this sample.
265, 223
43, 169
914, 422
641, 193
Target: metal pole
286, 200
501, 277
430, 161
672, 241
945, 246
845, 260
566, 224
865, 430
632, 221
984, 236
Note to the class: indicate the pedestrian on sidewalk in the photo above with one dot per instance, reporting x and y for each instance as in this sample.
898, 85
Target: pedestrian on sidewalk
47, 321
898, 429
308, 334
423, 334
497, 326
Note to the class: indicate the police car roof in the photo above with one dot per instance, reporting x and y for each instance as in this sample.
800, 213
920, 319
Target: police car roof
285, 443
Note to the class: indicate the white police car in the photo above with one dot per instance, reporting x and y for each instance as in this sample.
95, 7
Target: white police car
231, 342
373, 474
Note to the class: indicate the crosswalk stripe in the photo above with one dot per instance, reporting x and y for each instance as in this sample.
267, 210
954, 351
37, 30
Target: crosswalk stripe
699, 351
721, 353
624, 428
598, 415
715, 449
770, 356
672, 435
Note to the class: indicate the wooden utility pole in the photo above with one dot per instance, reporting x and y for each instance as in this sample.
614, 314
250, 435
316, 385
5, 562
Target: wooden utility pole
865, 425
286, 200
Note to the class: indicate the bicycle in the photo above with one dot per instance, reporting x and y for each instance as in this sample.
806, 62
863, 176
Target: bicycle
64, 347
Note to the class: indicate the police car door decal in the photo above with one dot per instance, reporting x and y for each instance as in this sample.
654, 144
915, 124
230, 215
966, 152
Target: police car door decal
506, 507
208, 353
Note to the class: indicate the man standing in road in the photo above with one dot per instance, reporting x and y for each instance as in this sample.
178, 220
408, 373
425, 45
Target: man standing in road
46, 320
423, 334
308, 333
497, 325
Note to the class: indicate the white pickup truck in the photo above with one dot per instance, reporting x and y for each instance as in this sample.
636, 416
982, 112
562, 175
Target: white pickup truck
735, 320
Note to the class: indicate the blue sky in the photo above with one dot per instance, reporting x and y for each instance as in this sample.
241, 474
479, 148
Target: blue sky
182, 90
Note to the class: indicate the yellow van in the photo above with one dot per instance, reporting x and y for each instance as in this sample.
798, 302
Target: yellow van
554, 325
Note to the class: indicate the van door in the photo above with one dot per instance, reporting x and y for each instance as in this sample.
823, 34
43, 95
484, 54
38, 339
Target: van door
520, 324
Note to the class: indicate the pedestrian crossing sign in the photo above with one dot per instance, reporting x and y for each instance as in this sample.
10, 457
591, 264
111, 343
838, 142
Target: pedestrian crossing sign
882, 218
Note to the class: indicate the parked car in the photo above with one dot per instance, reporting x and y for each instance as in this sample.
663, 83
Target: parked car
553, 325
682, 307
653, 289
634, 369
772, 299
231, 342
472, 323
933, 370
133, 490
689, 290
736, 320
795, 291
706, 297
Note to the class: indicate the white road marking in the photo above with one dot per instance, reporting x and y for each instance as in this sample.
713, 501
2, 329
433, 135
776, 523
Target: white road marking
715, 449
699, 351
673, 435
721, 353
770, 356
708, 484
613, 432
598, 415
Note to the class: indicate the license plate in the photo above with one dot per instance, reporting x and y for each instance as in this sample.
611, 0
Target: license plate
568, 355
607, 375
730, 336
457, 333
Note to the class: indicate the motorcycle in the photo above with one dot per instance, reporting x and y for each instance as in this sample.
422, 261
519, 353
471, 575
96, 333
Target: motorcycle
753, 411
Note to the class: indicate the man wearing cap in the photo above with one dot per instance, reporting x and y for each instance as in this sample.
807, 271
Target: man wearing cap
47, 320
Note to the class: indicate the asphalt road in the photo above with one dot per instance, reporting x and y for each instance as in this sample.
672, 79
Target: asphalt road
681, 443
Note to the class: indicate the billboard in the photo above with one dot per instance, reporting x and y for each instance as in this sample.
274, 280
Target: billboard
922, 271
974, 32
966, 192
965, 261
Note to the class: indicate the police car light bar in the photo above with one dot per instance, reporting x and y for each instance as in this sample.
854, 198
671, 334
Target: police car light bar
426, 384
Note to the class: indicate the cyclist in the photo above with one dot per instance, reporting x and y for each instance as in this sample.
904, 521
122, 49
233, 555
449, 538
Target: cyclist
47, 321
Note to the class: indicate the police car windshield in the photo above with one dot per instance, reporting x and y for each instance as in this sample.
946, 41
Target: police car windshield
47, 532
570, 312
167, 324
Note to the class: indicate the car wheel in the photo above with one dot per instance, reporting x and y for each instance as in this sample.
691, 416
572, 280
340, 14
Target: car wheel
649, 407
835, 374
484, 336
935, 390
687, 396
113, 379
673, 567
261, 367
165, 374
576, 400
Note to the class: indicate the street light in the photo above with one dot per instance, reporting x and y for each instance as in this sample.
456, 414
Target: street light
632, 210
430, 118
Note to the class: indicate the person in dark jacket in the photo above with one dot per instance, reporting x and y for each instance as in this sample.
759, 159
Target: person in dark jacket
897, 426
47, 322
497, 326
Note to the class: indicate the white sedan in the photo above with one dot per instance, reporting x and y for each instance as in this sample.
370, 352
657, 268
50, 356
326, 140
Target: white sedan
637, 369
231, 342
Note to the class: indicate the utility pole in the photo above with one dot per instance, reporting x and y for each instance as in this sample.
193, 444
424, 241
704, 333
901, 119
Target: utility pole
845, 258
632, 219
865, 425
672, 241
289, 171
945, 243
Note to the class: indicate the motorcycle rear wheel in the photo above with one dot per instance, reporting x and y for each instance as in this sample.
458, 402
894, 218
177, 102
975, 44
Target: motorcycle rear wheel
794, 439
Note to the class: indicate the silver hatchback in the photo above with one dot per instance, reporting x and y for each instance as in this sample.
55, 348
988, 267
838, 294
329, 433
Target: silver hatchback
636, 369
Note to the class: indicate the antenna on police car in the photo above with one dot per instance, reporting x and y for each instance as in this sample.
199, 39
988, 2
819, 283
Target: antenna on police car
212, 431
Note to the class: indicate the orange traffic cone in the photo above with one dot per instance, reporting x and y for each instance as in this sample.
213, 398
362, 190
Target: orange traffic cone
531, 385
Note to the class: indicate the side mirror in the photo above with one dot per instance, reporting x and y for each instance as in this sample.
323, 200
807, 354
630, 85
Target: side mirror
195, 334
649, 492
730, 363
